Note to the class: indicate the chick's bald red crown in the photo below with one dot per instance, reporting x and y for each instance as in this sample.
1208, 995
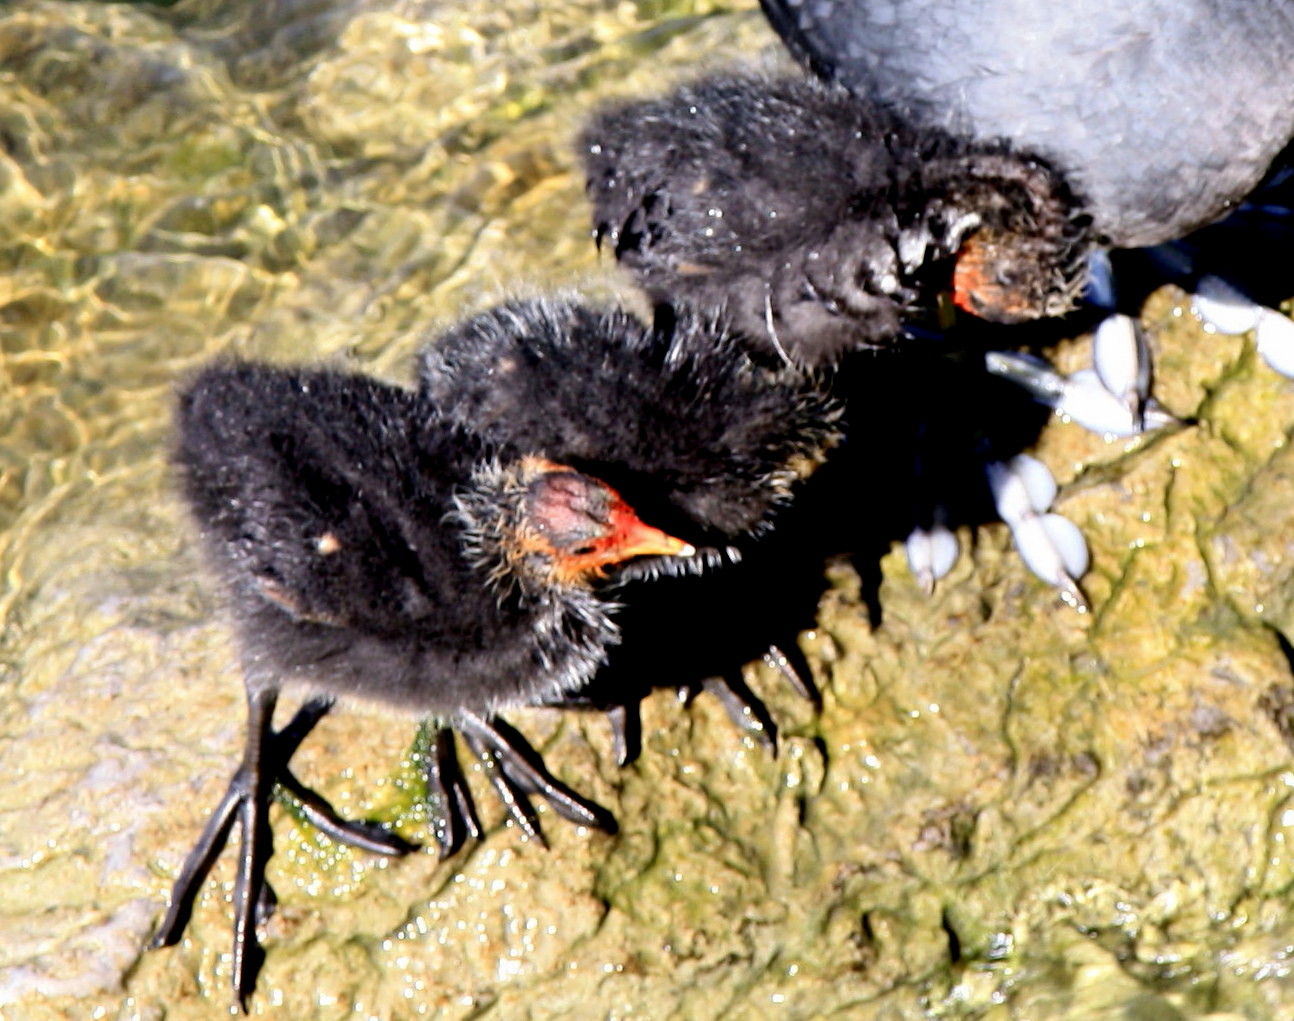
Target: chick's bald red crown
585, 526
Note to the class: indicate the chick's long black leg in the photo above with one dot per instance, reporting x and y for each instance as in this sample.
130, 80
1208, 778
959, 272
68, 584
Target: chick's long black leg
624, 717
246, 800
742, 705
251, 891
516, 771
450, 808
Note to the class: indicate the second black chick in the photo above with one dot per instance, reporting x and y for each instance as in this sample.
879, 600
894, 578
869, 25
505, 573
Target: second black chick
686, 422
376, 551
821, 222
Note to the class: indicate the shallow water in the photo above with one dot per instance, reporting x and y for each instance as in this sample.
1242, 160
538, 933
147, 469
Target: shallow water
1005, 810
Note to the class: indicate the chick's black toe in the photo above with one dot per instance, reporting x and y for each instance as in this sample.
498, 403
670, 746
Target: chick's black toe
451, 810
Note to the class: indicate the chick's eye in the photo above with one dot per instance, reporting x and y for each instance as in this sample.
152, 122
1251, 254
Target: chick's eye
583, 551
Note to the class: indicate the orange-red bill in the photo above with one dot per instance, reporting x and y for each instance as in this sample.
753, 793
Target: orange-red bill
587, 526
636, 538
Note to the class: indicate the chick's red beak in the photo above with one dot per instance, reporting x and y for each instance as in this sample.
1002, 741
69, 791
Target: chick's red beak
630, 536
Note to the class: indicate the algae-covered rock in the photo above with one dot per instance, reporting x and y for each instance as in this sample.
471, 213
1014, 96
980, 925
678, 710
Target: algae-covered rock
1005, 809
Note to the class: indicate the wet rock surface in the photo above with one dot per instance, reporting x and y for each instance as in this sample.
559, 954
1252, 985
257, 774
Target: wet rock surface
1005, 809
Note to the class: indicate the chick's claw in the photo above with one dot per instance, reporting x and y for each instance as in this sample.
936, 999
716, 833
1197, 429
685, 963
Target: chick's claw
746, 709
626, 733
794, 668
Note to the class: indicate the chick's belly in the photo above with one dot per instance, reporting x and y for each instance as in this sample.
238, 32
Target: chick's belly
409, 675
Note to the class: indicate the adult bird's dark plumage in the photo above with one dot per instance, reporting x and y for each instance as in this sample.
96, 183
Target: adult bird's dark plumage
819, 220
373, 550
680, 417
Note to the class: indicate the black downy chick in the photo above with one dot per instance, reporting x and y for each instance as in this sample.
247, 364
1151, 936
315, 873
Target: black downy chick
679, 417
373, 550
1162, 114
821, 221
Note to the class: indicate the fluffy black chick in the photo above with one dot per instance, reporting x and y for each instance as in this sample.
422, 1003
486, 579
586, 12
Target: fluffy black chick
680, 417
373, 550
821, 221
1163, 113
